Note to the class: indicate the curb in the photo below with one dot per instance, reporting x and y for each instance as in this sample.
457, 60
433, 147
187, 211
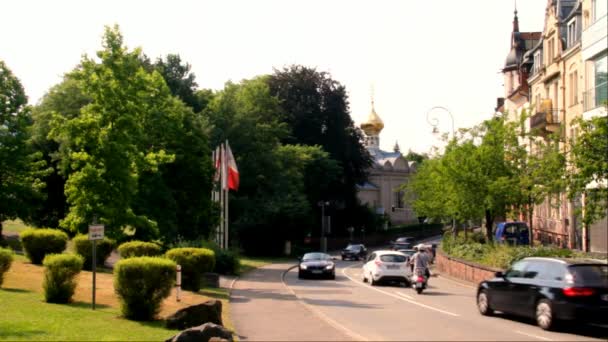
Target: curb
354, 336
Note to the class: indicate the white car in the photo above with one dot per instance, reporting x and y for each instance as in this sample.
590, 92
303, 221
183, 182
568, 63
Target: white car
387, 266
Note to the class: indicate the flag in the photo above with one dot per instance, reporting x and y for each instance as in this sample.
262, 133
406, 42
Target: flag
233, 171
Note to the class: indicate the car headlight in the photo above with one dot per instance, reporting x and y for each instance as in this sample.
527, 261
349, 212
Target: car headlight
329, 267
303, 267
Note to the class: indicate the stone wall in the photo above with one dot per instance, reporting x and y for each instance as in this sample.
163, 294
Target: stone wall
464, 270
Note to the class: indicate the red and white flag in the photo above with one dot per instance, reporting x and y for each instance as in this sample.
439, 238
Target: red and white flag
217, 162
233, 171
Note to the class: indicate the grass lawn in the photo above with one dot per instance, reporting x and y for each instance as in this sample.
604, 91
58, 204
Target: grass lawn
25, 316
13, 226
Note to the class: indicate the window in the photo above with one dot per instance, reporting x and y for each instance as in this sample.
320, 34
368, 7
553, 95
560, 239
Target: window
601, 79
536, 270
537, 62
573, 89
550, 51
399, 199
599, 9
572, 35
517, 270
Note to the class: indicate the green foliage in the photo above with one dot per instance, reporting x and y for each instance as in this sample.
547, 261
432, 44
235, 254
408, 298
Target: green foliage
6, 259
20, 166
59, 276
226, 261
194, 262
39, 242
590, 162
142, 283
138, 249
101, 150
84, 247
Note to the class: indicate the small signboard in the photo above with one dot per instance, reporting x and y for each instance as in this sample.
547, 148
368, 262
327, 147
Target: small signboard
96, 232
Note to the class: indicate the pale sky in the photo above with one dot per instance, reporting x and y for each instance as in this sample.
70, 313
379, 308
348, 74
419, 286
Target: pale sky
416, 54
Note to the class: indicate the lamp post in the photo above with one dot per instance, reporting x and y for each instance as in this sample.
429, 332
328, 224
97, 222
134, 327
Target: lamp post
323, 204
434, 121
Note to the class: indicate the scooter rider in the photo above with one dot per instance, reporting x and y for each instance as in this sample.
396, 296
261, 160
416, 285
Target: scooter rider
420, 261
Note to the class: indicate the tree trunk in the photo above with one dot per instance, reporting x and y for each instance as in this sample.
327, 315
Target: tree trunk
489, 224
530, 212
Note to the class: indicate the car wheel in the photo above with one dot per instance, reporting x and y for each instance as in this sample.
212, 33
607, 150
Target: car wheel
300, 275
544, 314
372, 281
333, 276
419, 290
343, 258
364, 278
483, 303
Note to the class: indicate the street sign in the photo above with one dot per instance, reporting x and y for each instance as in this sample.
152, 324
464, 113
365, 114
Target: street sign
96, 232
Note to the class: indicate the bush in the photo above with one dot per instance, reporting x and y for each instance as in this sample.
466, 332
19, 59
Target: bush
226, 261
40, 242
141, 284
6, 259
194, 262
60, 271
84, 247
138, 249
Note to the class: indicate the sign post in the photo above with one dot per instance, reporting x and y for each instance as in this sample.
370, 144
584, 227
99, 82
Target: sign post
95, 233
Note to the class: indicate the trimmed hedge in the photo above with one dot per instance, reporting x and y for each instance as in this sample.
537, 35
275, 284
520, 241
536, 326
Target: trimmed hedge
6, 259
37, 243
84, 247
139, 249
194, 262
227, 262
141, 284
59, 276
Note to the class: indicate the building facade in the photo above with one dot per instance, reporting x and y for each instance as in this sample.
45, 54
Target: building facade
390, 170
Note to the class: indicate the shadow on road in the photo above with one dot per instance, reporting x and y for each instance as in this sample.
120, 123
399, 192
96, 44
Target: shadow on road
576, 328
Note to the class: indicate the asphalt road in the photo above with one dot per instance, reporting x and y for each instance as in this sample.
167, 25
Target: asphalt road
445, 311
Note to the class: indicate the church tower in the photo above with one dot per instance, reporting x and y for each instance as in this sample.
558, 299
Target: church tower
372, 128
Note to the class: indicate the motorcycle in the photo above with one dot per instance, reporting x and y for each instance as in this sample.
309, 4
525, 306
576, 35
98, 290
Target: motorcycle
419, 283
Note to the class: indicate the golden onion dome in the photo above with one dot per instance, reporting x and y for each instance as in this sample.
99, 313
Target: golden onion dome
374, 124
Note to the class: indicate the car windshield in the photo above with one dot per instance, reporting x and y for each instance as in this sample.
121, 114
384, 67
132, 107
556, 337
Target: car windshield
590, 275
353, 247
393, 258
315, 256
402, 239
403, 245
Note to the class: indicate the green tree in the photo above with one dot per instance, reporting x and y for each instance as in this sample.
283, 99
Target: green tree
20, 167
180, 80
100, 148
589, 175
316, 109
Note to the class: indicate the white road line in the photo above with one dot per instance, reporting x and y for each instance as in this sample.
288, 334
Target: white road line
352, 334
404, 295
535, 336
398, 297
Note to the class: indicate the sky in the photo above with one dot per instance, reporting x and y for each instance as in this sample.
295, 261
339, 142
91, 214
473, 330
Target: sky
415, 55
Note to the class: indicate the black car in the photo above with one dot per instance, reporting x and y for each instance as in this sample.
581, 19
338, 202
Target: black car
548, 289
401, 246
355, 252
317, 265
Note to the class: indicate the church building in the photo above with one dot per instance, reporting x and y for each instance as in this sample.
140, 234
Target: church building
389, 171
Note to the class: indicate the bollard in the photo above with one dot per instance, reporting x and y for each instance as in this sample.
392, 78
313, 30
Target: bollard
178, 283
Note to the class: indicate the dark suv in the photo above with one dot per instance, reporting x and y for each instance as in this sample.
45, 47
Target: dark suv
355, 252
549, 289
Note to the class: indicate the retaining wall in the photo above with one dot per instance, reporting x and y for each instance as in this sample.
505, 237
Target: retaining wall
462, 269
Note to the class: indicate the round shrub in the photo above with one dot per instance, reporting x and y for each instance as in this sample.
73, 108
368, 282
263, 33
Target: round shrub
138, 249
6, 259
194, 262
59, 276
227, 262
84, 248
141, 284
40, 242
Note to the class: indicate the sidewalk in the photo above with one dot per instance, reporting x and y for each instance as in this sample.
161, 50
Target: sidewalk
263, 309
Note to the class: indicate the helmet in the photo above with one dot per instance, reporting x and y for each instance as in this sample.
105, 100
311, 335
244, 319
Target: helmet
420, 247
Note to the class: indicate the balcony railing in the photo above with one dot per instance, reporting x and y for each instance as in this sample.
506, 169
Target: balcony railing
595, 97
545, 120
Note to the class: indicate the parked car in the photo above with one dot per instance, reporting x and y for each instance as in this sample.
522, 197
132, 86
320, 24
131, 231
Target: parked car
317, 264
387, 266
548, 289
514, 233
401, 245
402, 239
355, 252
407, 251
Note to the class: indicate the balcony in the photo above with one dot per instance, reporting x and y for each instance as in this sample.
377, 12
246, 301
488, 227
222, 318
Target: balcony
546, 118
595, 97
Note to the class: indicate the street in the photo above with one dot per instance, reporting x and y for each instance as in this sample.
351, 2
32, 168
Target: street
445, 311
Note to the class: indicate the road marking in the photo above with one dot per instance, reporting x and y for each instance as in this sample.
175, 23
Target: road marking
535, 336
404, 295
398, 297
319, 313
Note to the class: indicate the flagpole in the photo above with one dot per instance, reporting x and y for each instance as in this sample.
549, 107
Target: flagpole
222, 196
226, 204
213, 194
